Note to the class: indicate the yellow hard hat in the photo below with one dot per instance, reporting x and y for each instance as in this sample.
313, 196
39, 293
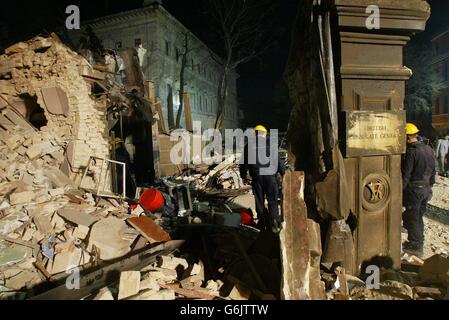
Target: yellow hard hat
410, 129
261, 128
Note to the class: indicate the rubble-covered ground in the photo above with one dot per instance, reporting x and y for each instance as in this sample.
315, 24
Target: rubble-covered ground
436, 221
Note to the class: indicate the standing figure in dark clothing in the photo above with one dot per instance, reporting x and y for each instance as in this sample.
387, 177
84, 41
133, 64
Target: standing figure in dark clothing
122, 155
263, 164
418, 176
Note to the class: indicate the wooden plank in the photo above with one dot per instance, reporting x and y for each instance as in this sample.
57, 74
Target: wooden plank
149, 229
17, 119
190, 294
40, 266
294, 239
56, 101
6, 123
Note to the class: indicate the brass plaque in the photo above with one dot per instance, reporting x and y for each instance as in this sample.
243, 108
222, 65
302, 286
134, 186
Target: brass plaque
372, 133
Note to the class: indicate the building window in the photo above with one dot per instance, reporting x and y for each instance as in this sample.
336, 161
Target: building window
118, 45
167, 48
193, 65
446, 104
201, 105
137, 42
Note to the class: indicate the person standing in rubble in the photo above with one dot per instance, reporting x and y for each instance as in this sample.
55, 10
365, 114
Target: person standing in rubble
264, 183
418, 176
122, 155
441, 154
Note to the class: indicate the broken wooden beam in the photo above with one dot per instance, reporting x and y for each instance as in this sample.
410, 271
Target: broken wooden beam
91, 281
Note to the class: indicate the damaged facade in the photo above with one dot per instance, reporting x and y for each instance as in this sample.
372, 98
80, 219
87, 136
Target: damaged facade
161, 38
44, 81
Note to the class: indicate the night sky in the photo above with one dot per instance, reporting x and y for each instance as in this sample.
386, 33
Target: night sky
262, 92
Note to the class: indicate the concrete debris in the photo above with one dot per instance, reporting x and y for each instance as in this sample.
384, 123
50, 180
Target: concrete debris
163, 294
129, 284
107, 235
225, 175
13, 255
104, 294
435, 270
66, 260
81, 232
239, 293
77, 217
390, 290
428, 292
172, 263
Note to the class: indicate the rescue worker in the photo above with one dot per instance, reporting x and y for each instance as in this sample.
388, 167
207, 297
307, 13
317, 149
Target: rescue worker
418, 176
264, 184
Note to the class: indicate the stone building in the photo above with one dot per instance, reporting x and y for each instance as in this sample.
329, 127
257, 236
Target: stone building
162, 37
440, 102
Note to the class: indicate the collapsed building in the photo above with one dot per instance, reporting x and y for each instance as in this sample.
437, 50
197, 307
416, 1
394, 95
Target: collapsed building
62, 210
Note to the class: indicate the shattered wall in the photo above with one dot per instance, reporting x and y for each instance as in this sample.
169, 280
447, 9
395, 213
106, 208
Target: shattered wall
46, 72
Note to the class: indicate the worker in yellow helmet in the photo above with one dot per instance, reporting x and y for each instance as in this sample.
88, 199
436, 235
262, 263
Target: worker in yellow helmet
118, 141
265, 184
261, 130
418, 176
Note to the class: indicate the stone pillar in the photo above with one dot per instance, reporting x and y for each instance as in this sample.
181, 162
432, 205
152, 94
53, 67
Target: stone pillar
371, 88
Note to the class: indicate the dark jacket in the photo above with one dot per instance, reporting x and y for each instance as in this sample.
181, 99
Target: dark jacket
261, 146
418, 167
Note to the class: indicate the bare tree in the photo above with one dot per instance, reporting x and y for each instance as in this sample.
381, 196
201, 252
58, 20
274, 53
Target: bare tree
183, 55
242, 26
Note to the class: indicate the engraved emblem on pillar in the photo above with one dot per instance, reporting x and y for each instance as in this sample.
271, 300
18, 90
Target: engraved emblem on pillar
376, 192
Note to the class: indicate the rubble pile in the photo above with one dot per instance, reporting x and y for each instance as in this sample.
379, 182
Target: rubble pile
439, 191
222, 176
429, 280
50, 86
169, 278
50, 125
